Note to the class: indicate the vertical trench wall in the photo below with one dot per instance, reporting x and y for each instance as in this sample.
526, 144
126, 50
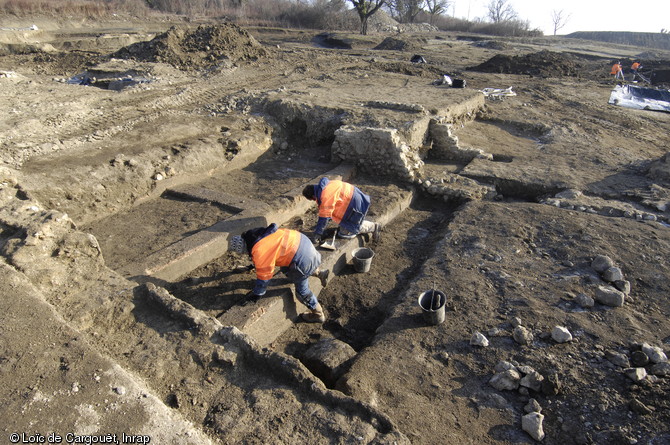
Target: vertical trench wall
396, 150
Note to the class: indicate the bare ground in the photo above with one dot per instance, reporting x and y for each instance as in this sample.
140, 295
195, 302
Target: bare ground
87, 350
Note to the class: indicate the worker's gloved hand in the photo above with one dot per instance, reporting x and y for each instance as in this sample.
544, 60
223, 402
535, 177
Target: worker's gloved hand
316, 239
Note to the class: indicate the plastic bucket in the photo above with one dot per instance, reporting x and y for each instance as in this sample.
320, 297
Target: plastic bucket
432, 303
362, 259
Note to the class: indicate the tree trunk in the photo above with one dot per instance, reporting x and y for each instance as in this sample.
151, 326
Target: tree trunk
364, 26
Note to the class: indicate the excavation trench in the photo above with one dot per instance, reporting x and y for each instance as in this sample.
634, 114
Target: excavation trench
190, 260
183, 234
358, 303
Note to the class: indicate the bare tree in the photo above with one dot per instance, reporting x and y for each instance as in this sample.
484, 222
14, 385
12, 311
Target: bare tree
405, 11
501, 11
365, 9
559, 19
437, 7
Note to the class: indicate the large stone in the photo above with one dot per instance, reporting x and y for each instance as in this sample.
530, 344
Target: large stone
507, 380
327, 359
617, 359
522, 335
532, 380
478, 339
503, 366
560, 334
655, 354
532, 424
610, 296
612, 274
584, 300
660, 369
601, 263
635, 374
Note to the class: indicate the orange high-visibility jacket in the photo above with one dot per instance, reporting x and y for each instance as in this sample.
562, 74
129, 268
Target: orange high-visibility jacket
616, 68
335, 199
635, 66
276, 249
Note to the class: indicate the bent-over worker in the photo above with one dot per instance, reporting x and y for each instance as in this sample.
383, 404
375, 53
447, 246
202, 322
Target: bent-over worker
617, 71
345, 204
635, 67
293, 252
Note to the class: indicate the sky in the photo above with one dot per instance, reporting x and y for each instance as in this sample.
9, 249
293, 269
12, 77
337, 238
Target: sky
584, 15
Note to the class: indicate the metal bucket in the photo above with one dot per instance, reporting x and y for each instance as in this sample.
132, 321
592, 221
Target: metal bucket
362, 259
432, 303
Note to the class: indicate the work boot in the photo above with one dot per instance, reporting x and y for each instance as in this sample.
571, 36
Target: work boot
322, 275
315, 315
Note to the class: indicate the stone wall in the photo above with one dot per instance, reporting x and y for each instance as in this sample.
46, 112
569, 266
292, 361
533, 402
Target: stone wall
446, 148
377, 150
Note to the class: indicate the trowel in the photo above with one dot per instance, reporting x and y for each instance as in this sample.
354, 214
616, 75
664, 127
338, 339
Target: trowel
329, 245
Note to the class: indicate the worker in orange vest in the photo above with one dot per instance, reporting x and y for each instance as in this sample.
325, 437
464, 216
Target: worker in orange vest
634, 68
345, 204
617, 71
295, 255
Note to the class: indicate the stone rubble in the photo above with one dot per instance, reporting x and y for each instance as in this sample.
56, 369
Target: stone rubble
561, 334
532, 424
478, 339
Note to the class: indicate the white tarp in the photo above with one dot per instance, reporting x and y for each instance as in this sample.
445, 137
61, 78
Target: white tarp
640, 98
498, 93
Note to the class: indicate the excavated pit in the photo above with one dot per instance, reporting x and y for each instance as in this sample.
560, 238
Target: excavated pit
358, 303
200, 215
188, 255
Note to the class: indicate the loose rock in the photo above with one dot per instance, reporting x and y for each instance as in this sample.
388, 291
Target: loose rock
508, 380
638, 407
639, 359
551, 385
610, 296
601, 263
532, 424
660, 369
503, 366
532, 407
612, 274
478, 339
617, 359
635, 374
532, 380
561, 334
584, 300
655, 354
623, 286
522, 335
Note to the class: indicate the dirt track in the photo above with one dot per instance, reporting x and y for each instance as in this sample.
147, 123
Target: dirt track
507, 225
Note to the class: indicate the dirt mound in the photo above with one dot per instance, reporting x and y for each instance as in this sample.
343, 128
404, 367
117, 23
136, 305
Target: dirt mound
65, 63
409, 69
493, 44
393, 44
204, 47
543, 63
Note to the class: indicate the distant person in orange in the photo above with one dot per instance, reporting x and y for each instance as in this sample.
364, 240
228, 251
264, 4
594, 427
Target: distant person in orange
634, 69
617, 71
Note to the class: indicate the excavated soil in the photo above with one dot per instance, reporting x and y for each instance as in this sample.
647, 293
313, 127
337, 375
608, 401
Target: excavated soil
508, 227
196, 49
